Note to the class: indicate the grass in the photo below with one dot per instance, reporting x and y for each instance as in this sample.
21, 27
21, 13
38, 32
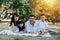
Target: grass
3, 26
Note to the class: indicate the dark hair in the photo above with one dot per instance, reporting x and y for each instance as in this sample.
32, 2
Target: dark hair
12, 19
42, 15
20, 22
31, 16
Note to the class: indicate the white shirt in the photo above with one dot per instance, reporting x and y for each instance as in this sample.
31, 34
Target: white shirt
43, 26
30, 28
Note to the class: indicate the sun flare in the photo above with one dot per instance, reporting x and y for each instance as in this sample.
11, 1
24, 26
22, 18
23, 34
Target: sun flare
50, 3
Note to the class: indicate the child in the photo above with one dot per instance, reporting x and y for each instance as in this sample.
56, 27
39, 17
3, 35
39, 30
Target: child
21, 26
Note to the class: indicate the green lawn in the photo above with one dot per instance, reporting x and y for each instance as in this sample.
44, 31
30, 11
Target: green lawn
3, 26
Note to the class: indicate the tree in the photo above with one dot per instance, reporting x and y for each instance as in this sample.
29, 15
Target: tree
22, 8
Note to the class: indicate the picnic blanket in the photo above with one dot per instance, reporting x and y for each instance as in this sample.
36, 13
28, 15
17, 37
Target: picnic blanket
8, 32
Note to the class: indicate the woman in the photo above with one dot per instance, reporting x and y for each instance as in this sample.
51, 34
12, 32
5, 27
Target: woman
13, 23
13, 26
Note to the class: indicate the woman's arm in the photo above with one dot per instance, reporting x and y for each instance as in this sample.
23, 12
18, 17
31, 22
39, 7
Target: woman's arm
13, 29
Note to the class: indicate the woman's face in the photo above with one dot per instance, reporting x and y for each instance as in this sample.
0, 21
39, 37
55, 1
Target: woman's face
21, 25
16, 18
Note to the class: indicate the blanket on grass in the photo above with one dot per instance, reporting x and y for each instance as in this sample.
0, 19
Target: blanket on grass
8, 32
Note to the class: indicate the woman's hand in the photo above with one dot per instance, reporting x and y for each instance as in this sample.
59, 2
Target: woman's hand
21, 32
13, 29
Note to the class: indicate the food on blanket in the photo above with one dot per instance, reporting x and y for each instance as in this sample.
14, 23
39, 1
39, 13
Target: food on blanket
41, 32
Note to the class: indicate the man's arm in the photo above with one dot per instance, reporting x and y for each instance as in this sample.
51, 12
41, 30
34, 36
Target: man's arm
27, 27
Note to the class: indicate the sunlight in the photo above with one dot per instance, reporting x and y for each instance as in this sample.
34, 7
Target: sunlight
50, 3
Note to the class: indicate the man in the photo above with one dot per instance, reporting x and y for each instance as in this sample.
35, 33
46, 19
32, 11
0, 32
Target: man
31, 25
43, 26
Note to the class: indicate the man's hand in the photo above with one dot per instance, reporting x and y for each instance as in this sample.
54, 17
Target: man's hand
45, 30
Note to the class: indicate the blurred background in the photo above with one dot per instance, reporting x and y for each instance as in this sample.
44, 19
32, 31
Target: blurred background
51, 9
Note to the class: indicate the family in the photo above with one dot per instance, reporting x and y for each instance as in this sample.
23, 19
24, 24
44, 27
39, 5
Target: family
32, 26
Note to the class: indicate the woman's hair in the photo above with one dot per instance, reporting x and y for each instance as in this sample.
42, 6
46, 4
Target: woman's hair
12, 19
20, 22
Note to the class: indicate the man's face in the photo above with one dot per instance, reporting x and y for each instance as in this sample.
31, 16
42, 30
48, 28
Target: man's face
43, 18
32, 19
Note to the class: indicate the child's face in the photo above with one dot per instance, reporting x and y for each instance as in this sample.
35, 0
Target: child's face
21, 25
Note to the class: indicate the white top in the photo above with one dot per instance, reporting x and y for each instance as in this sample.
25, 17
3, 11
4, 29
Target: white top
15, 27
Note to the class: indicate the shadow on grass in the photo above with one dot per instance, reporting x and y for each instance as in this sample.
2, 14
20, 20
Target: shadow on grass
55, 33
18, 38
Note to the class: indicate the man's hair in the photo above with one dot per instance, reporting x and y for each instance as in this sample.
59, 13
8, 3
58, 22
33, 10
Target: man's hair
42, 15
31, 16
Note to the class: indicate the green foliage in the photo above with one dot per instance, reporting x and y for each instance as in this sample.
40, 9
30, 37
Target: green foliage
21, 7
1, 2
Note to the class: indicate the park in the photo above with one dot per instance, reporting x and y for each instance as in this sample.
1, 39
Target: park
50, 8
